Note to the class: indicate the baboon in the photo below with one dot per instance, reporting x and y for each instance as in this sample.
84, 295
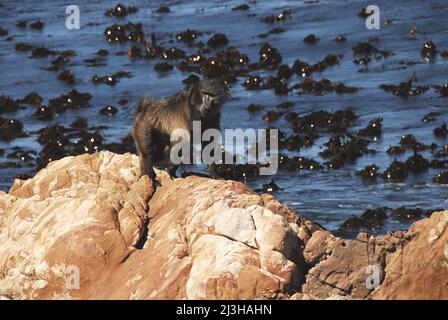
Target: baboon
155, 121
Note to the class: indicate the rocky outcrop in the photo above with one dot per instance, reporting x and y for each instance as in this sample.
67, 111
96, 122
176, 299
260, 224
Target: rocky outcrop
419, 270
205, 238
87, 227
399, 265
342, 267
88, 212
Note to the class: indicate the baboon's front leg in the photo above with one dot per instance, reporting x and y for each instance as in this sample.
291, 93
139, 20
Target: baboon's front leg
212, 122
172, 168
213, 172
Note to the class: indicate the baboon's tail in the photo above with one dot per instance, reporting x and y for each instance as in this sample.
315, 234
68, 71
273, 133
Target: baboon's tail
141, 106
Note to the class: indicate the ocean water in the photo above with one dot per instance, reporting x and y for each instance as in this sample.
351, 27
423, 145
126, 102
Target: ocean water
325, 196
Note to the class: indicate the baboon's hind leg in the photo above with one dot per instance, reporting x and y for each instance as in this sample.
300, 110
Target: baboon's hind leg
143, 143
213, 171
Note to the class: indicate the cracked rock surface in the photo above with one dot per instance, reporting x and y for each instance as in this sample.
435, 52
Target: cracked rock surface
90, 218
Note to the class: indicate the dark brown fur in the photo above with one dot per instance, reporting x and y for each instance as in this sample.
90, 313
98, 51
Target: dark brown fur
155, 121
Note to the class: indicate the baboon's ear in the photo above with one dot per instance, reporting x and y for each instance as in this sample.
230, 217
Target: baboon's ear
191, 81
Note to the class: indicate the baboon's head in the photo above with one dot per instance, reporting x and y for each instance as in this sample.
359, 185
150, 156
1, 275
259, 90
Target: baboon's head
207, 96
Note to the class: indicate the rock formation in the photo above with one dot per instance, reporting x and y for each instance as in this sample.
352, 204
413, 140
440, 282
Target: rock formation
87, 227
